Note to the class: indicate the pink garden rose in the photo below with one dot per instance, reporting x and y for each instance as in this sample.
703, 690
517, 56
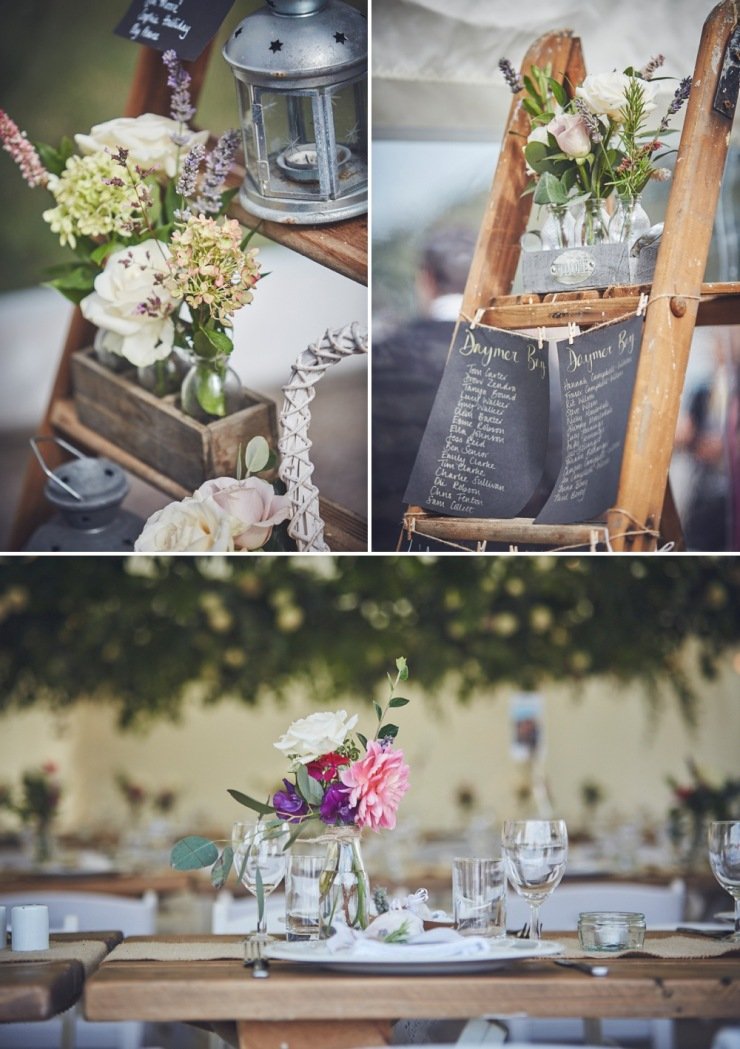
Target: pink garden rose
252, 502
571, 134
377, 783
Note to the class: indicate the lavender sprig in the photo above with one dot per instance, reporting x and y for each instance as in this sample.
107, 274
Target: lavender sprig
181, 108
186, 183
679, 97
646, 73
510, 76
592, 124
218, 165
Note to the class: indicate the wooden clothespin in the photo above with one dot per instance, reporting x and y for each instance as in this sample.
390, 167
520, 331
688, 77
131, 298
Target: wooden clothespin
541, 336
642, 304
476, 319
572, 332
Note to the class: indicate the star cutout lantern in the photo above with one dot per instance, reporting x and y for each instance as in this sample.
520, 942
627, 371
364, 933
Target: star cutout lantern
276, 45
340, 38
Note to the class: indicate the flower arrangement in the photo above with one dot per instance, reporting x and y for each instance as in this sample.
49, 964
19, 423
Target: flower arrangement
338, 778
142, 207
36, 803
224, 514
695, 803
137, 797
596, 141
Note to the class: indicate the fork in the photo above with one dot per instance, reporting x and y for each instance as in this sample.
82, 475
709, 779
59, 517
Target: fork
253, 957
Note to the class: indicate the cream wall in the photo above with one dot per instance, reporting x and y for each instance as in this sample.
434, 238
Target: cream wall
606, 734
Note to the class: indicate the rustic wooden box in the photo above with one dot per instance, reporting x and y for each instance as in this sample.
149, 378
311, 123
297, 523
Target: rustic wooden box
154, 430
601, 266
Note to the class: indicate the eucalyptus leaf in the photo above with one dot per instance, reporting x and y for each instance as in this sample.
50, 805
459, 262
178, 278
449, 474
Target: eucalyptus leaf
259, 893
192, 853
309, 788
362, 739
398, 701
251, 803
388, 732
221, 868
378, 711
256, 455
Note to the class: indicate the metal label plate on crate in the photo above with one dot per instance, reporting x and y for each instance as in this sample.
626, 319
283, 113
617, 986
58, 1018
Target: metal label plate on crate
588, 267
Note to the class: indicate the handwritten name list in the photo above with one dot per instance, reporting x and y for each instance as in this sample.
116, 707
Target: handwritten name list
186, 26
483, 449
597, 376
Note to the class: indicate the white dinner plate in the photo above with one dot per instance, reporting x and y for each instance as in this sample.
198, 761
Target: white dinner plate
412, 960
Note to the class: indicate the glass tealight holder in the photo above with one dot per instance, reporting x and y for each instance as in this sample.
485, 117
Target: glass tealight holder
611, 930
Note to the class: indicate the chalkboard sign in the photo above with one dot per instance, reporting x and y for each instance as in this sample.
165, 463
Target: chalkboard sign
597, 375
483, 449
186, 26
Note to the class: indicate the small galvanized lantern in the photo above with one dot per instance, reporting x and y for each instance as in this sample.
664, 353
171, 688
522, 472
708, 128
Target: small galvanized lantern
301, 75
87, 493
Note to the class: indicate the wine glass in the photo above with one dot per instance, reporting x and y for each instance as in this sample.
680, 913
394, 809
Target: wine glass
260, 859
724, 857
535, 852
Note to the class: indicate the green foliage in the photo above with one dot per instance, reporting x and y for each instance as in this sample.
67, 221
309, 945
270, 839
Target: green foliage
192, 853
135, 632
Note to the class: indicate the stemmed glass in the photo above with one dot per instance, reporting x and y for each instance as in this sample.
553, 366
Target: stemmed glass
724, 857
260, 859
535, 852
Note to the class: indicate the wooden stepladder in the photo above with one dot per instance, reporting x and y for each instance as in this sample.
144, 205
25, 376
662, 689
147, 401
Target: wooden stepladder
643, 517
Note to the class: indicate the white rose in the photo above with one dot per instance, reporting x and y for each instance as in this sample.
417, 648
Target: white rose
604, 93
130, 300
252, 502
187, 527
310, 737
148, 139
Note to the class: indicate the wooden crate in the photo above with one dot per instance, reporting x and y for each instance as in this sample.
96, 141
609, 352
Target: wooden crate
156, 431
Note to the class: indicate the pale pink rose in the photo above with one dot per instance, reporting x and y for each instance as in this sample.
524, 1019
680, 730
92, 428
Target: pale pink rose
377, 783
571, 134
251, 503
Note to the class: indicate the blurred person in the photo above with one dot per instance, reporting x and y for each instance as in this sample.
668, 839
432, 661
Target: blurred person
407, 366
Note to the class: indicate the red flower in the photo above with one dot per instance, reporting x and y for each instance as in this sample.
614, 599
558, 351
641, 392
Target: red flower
326, 768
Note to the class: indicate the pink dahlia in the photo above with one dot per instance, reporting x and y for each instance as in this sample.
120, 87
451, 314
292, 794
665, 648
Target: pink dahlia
377, 783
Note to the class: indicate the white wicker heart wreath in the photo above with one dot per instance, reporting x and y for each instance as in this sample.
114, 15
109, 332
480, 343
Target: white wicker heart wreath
306, 526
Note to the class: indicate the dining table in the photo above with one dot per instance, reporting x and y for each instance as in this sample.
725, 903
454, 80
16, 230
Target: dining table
204, 980
36, 985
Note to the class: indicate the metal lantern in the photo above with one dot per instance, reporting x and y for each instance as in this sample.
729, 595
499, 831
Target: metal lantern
87, 494
301, 76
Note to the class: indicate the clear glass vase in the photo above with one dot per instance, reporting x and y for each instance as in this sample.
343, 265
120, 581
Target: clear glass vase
211, 390
629, 221
106, 346
344, 888
163, 376
592, 224
558, 228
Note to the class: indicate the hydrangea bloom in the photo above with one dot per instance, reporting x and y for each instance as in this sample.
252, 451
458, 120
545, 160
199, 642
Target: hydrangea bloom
92, 200
209, 268
378, 782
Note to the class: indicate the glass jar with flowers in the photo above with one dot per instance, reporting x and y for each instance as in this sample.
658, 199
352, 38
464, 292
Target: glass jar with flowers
156, 265
36, 803
339, 784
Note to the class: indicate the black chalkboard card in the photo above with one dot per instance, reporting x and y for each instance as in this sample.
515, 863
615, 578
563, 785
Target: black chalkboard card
186, 26
597, 375
483, 449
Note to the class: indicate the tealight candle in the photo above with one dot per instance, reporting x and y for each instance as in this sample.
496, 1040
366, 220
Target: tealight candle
611, 930
3, 927
29, 927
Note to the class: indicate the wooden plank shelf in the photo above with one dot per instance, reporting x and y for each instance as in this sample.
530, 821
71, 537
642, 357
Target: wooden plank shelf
345, 531
512, 531
719, 304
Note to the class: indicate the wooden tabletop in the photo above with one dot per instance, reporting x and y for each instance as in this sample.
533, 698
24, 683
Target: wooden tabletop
118, 884
37, 990
351, 1010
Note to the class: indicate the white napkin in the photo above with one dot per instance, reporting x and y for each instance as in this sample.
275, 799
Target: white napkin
435, 944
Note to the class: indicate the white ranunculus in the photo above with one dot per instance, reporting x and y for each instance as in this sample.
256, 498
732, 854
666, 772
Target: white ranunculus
310, 737
188, 527
604, 93
130, 300
148, 139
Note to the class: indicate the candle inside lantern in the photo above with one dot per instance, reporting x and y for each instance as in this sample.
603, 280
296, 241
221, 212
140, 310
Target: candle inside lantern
29, 927
302, 158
